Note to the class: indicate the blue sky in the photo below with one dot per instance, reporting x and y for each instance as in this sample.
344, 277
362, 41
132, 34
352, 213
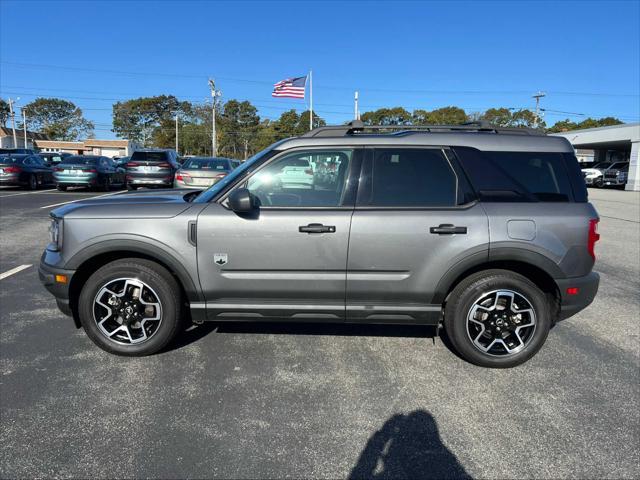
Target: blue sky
476, 55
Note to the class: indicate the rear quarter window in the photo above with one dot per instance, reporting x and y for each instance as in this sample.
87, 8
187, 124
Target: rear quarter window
522, 176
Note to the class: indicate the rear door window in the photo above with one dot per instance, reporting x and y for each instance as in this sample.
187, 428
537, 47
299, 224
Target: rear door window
517, 176
409, 177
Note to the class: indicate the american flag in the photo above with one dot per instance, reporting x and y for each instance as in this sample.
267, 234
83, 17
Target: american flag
290, 88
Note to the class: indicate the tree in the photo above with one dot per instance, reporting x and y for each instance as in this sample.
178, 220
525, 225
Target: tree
239, 125
4, 112
440, 116
526, 118
58, 119
137, 119
500, 117
387, 116
567, 125
505, 117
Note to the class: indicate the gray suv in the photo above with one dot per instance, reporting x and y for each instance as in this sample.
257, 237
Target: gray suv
483, 230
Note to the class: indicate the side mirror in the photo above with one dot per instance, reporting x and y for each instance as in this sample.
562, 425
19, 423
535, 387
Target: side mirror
242, 201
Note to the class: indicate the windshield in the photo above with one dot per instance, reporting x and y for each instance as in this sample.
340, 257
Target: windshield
79, 161
211, 192
206, 164
602, 165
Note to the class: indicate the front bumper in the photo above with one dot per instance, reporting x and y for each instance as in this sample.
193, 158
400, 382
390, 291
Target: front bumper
587, 288
60, 290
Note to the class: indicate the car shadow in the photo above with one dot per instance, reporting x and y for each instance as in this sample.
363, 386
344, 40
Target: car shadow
194, 333
407, 446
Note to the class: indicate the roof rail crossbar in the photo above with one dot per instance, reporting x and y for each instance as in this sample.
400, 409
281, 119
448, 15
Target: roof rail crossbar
357, 126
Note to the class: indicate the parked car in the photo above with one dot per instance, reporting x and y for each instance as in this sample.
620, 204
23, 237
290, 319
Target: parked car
53, 158
593, 176
121, 161
616, 175
202, 172
486, 231
24, 170
152, 168
17, 150
90, 171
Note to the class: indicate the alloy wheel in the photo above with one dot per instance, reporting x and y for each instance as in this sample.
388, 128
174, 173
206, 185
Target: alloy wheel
127, 311
501, 323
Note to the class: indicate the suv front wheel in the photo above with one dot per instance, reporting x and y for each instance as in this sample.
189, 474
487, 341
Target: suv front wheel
497, 318
130, 307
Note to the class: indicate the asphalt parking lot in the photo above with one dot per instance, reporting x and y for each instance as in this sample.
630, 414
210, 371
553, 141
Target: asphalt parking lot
310, 401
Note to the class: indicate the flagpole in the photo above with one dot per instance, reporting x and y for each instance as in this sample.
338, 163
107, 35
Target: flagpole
310, 100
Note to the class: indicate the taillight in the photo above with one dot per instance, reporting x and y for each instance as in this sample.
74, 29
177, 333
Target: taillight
220, 175
89, 170
132, 164
58, 169
165, 165
594, 236
181, 177
12, 169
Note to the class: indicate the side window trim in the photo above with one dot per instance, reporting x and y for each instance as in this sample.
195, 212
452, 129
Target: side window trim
365, 184
350, 183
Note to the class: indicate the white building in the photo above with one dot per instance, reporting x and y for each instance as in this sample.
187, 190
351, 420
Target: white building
617, 143
91, 146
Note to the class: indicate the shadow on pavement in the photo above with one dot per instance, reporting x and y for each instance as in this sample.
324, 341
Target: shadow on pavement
407, 446
196, 332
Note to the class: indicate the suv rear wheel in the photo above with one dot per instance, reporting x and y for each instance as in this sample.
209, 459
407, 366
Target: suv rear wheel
130, 307
497, 318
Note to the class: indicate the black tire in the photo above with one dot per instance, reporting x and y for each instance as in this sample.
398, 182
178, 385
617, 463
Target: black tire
131, 187
598, 182
470, 290
33, 182
62, 188
153, 275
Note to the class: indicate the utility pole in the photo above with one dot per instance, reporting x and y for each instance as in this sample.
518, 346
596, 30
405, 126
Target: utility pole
24, 126
356, 114
537, 96
13, 121
214, 93
176, 132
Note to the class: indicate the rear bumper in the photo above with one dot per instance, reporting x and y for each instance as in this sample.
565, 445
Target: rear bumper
587, 288
151, 181
60, 290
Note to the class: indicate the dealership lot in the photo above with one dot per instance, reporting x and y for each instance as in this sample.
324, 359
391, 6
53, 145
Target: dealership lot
273, 400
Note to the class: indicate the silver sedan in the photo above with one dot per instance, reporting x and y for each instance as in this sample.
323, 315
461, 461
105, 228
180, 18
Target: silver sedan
202, 172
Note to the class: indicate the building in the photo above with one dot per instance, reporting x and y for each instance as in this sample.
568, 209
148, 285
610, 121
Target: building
614, 143
6, 138
91, 146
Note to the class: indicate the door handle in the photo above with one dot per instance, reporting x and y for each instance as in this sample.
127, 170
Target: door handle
447, 229
317, 228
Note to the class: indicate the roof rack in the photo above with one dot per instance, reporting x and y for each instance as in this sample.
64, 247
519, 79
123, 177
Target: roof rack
357, 126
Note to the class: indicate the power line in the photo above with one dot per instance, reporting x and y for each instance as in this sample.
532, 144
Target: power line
332, 87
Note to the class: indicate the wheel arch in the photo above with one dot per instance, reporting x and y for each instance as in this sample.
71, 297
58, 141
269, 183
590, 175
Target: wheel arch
93, 257
529, 265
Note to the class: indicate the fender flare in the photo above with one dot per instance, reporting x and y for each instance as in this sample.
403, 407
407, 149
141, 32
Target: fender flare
148, 247
499, 254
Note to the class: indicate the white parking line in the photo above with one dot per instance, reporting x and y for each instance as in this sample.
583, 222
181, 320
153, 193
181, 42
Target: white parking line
28, 193
8, 273
82, 199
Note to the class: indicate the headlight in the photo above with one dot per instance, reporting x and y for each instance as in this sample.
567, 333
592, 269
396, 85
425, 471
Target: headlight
55, 233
